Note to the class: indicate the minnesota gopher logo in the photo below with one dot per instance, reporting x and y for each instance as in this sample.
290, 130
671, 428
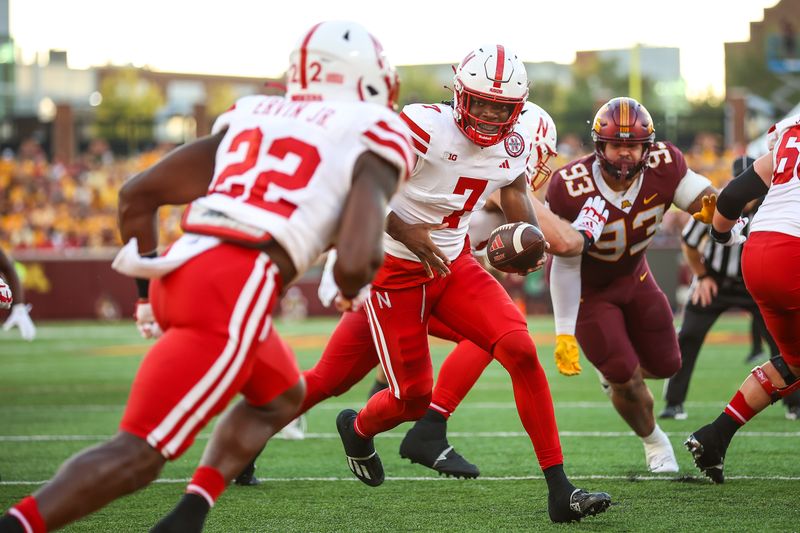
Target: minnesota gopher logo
514, 144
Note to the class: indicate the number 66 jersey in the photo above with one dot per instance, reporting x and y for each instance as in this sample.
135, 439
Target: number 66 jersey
284, 169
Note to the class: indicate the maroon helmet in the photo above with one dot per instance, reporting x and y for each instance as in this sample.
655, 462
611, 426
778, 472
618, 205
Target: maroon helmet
623, 120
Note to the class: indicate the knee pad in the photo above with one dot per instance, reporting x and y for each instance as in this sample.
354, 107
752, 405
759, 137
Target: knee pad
776, 393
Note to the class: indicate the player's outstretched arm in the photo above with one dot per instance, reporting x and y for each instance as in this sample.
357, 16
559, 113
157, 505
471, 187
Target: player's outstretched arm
565, 290
749, 185
181, 176
359, 243
563, 239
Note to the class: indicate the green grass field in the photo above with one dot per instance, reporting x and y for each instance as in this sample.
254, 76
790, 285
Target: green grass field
66, 391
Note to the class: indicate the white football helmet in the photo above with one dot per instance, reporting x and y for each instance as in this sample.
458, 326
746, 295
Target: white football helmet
341, 60
542, 130
494, 74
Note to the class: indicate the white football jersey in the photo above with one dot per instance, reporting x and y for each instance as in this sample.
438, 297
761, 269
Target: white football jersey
781, 208
285, 168
453, 176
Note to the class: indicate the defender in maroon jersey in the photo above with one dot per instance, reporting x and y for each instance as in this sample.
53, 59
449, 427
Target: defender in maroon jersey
608, 298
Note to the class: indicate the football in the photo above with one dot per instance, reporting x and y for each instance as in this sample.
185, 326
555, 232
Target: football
515, 247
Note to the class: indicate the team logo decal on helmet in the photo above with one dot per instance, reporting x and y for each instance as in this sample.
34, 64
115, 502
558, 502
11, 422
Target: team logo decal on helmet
514, 144
494, 79
623, 120
341, 60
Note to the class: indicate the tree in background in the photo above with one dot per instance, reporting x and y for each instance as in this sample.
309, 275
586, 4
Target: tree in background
127, 113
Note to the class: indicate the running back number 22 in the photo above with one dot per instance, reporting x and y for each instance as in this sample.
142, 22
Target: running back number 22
236, 179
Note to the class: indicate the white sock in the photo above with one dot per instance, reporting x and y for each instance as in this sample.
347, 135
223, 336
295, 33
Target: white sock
655, 437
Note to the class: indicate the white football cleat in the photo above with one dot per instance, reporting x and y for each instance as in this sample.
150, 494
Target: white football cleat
294, 430
659, 455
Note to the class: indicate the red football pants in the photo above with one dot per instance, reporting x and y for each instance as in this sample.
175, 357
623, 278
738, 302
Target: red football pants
215, 312
771, 269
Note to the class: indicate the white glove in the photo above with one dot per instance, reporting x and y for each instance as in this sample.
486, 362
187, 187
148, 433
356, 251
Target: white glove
6, 298
592, 217
736, 233
328, 290
19, 317
346, 304
145, 321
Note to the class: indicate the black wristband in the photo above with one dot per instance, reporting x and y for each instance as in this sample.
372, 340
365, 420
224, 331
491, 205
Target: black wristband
703, 276
588, 240
143, 288
721, 238
143, 284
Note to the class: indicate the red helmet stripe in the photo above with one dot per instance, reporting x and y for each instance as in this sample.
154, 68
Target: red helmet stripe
501, 61
466, 59
304, 55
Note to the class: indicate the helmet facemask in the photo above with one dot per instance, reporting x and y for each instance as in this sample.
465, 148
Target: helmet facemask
621, 170
484, 132
493, 76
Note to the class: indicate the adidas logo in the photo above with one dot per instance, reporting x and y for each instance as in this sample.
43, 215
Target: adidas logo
505, 164
497, 243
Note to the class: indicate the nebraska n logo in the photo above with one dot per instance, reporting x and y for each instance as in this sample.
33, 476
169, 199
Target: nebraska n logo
496, 243
505, 164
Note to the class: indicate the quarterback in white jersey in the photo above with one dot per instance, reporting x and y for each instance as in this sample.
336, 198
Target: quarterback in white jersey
465, 152
770, 260
280, 180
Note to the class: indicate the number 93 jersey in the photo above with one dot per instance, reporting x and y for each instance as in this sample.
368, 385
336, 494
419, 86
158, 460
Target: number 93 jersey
453, 176
634, 215
284, 169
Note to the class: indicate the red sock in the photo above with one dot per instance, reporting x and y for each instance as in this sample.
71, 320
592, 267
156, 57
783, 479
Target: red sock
458, 375
738, 410
208, 483
27, 512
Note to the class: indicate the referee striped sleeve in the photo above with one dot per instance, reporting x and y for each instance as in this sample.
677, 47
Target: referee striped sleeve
693, 233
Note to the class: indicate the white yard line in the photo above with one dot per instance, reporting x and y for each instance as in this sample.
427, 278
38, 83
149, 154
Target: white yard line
454, 480
398, 435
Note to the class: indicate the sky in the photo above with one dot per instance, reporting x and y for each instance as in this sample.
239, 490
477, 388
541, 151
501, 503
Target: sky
254, 37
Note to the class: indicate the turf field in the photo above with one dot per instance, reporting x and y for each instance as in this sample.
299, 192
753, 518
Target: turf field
66, 391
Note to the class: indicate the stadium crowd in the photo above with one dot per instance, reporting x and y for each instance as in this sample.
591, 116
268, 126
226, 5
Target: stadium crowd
48, 205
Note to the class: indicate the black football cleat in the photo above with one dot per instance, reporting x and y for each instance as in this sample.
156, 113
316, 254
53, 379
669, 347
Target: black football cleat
579, 505
247, 478
361, 456
708, 451
426, 444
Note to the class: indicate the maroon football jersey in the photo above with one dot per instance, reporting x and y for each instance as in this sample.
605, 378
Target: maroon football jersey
620, 249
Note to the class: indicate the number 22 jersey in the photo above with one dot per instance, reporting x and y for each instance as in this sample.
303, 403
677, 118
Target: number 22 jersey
284, 169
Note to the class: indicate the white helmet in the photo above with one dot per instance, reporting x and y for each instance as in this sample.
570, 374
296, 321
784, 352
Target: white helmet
340, 60
491, 73
542, 130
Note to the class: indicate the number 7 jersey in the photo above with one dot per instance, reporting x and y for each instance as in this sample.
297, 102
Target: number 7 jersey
284, 170
453, 176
